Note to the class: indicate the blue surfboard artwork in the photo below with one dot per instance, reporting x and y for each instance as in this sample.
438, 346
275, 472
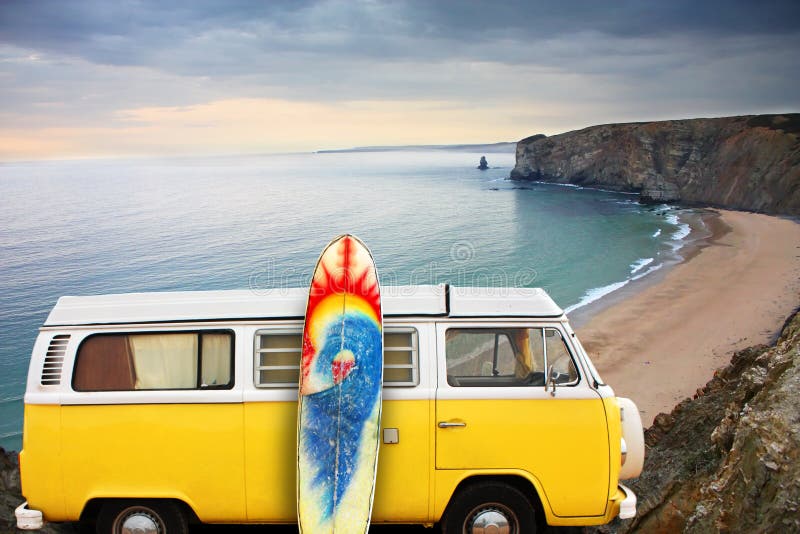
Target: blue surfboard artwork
340, 392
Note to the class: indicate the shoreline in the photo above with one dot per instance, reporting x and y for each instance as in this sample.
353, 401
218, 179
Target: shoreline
703, 222
731, 288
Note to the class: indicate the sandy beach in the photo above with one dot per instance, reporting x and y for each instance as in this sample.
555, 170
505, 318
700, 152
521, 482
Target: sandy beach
734, 290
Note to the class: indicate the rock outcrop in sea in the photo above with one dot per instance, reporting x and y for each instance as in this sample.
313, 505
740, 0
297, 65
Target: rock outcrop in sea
749, 162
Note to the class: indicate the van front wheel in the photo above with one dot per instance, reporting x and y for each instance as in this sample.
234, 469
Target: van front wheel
490, 507
146, 517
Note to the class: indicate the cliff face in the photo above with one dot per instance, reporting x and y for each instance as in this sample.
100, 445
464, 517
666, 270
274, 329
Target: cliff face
728, 460
749, 162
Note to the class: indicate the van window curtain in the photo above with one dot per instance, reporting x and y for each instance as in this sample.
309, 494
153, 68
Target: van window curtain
216, 359
524, 358
104, 364
165, 361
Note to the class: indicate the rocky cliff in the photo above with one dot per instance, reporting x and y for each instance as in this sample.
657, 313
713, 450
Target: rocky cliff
749, 162
9, 490
728, 460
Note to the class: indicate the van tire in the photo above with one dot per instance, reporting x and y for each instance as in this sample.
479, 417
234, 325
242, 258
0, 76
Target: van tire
164, 515
488, 499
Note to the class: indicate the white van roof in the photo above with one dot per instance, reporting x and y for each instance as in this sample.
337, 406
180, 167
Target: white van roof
290, 303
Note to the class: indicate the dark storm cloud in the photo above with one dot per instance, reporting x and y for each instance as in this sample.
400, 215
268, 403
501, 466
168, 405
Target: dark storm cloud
621, 18
212, 38
550, 65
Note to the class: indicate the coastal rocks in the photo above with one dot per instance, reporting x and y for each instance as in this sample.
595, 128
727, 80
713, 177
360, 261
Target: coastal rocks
657, 190
483, 165
728, 460
748, 162
11, 497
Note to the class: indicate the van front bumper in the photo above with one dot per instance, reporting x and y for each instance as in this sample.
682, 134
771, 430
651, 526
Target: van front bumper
28, 519
627, 508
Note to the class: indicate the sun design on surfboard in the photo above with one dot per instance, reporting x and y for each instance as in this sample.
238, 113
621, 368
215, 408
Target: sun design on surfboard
345, 269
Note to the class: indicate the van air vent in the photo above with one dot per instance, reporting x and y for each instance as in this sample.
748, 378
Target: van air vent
54, 360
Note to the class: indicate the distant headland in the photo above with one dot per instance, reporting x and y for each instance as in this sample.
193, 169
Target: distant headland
489, 148
748, 162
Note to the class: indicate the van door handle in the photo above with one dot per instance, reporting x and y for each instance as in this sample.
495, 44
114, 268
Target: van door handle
448, 424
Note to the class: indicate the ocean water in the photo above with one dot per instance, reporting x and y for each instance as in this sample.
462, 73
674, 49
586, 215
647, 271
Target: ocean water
115, 226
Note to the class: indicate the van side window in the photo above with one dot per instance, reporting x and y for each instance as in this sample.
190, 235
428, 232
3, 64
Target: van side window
500, 357
173, 360
559, 358
400, 357
277, 357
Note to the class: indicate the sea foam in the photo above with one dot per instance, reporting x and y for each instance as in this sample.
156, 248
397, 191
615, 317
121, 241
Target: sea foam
677, 238
640, 264
595, 294
652, 269
683, 229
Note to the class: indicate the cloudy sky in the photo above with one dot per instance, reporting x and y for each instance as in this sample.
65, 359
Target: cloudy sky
117, 78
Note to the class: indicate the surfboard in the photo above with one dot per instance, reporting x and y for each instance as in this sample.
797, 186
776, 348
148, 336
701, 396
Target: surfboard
339, 401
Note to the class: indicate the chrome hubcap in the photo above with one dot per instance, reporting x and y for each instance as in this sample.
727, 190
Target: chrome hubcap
140, 522
490, 521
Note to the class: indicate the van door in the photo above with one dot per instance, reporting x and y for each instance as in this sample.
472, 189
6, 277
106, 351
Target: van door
494, 413
406, 452
402, 485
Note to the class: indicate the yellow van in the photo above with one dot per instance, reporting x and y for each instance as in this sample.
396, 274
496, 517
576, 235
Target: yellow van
153, 411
